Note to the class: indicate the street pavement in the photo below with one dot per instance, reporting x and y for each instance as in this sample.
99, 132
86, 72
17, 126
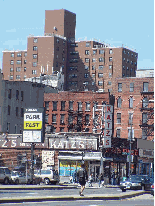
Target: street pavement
62, 197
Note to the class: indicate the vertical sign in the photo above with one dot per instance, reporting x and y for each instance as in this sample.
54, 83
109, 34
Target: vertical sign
108, 126
33, 125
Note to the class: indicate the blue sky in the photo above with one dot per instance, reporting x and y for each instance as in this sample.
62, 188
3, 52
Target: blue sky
117, 22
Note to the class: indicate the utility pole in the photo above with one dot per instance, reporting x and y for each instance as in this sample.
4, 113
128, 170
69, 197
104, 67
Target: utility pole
130, 139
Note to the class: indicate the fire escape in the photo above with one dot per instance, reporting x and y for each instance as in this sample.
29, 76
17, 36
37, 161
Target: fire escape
147, 109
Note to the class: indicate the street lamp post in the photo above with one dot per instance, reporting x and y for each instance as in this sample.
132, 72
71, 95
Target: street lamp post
130, 138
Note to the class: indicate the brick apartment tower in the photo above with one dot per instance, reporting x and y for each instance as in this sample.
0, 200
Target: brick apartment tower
86, 65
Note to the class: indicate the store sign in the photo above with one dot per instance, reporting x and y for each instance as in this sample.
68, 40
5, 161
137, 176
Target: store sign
146, 153
33, 125
72, 143
47, 158
108, 122
106, 142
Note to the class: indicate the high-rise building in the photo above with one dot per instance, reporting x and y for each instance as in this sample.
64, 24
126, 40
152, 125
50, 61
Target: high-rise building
86, 65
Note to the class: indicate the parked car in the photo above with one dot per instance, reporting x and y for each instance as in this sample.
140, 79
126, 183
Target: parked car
134, 182
147, 183
152, 189
48, 176
20, 178
5, 175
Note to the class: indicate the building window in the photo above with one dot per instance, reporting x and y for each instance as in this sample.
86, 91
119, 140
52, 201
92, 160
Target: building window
46, 119
131, 102
110, 75
17, 94
9, 109
118, 133
123, 67
11, 62
24, 69
19, 62
62, 105
93, 60
87, 106
73, 60
86, 75
46, 105
73, 83
110, 51
86, 83
17, 76
18, 69
61, 129
119, 87
11, 77
93, 75
94, 52
54, 120
54, 106
87, 119
93, 67
22, 95
12, 55
34, 71
95, 105
100, 75
119, 102
100, 83
110, 66
87, 44
86, 60
34, 64
70, 119
101, 51
16, 111
145, 102
145, 86
86, 67
9, 93
100, 67
8, 127
73, 76
15, 129
86, 52
70, 105
34, 56
35, 40
110, 59
25, 54
35, 48
144, 118
62, 118
72, 68
101, 59
124, 59
144, 133
131, 87
79, 106
22, 112
19, 54
130, 118
119, 118
109, 82
11, 69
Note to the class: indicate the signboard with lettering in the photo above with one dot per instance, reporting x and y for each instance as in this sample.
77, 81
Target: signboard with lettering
108, 122
33, 125
106, 142
72, 143
47, 158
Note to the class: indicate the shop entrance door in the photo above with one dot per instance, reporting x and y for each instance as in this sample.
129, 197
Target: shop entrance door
95, 170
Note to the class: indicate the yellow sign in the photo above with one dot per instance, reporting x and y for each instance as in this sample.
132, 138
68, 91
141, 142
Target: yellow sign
32, 125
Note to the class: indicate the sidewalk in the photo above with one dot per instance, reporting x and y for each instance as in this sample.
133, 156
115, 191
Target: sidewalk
71, 198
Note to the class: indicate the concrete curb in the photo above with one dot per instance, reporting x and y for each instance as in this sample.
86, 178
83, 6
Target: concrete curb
36, 187
73, 198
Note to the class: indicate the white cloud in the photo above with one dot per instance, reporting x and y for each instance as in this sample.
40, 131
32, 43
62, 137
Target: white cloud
11, 30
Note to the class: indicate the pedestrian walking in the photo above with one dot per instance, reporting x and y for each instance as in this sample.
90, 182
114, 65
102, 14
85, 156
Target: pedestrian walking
90, 180
100, 178
82, 176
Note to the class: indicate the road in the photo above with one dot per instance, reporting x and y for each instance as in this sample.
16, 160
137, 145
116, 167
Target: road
143, 200
58, 192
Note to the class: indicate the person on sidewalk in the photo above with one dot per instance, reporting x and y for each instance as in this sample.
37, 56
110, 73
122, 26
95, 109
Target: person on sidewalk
90, 180
82, 176
100, 178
